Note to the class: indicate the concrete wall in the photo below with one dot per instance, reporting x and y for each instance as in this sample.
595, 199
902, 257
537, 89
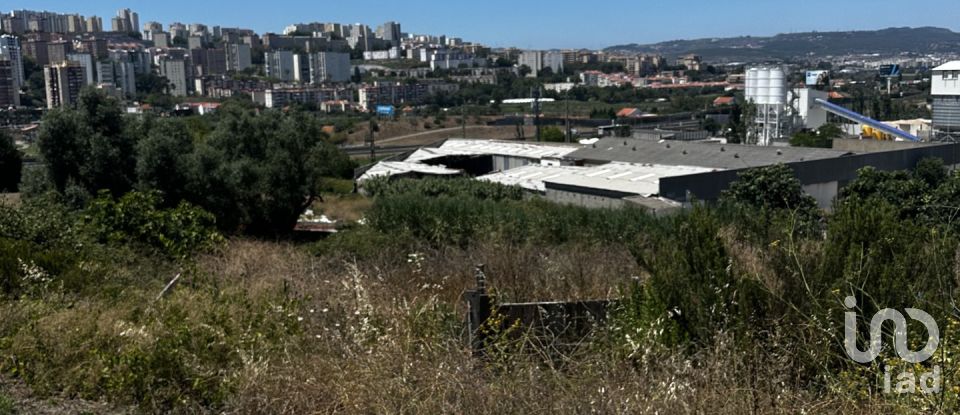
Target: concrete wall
504, 163
583, 199
823, 192
874, 146
820, 174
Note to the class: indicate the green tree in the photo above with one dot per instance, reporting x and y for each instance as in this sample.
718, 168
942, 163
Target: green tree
151, 83
553, 134
772, 187
89, 146
822, 138
524, 70
164, 160
11, 164
138, 217
257, 173
710, 125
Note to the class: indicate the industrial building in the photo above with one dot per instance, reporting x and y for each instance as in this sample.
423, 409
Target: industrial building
655, 175
473, 157
611, 185
945, 88
766, 88
478, 157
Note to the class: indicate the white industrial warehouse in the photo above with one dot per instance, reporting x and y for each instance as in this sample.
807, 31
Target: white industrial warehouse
663, 174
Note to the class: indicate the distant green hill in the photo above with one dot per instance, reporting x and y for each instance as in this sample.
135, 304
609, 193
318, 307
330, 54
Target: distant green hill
920, 40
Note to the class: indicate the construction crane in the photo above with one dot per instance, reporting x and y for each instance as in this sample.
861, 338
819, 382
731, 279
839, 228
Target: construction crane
871, 127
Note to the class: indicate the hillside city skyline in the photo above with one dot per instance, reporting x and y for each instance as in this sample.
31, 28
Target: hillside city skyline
590, 29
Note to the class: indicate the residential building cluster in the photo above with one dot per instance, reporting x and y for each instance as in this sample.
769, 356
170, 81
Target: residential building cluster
309, 63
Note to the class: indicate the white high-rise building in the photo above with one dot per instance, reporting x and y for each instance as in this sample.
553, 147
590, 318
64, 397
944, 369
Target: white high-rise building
9, 93
62, 83
538, 60
360, 37
177, 72
86, 61
238, 56
301, 68
280, 65
126, 21
329, 67
390, 31
10, 47
119, 74
150, 28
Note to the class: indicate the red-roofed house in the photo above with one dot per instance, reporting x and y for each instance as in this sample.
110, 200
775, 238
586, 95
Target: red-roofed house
838, 95
629, 113
723, 101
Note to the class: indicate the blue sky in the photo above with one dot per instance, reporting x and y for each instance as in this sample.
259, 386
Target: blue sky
537, 24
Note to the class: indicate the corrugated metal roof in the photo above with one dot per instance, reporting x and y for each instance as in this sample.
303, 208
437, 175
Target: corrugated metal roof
461, 147
390, 168
530, 177
707, 155
636, 179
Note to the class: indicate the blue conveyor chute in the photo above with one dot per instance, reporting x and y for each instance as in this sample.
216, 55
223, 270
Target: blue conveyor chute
861, 119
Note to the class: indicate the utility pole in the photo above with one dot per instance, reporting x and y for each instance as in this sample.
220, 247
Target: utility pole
566, 117
463, 118
370, 137
536, 110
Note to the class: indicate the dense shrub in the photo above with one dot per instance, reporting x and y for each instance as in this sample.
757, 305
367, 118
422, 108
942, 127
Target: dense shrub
461, 220
11, 164
137, 217
771, 188
431, 187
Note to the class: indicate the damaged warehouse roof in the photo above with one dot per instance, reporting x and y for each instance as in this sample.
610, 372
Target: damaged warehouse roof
626, 178
530, 177
468, 147
711, 155
397, 168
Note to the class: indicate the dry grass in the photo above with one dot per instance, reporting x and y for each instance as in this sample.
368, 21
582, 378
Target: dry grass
345, 208
385, 336
25, 402
10, 199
